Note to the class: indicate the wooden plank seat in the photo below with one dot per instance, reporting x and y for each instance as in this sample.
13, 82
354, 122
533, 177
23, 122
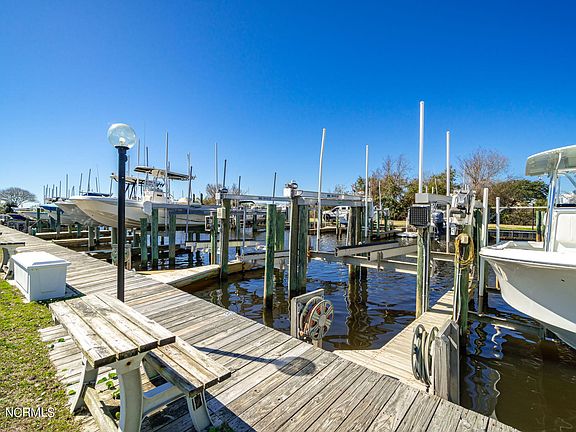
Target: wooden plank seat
110, 333
187, 372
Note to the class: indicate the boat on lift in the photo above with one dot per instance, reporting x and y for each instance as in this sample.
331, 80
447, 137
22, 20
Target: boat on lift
105, 209
539, 278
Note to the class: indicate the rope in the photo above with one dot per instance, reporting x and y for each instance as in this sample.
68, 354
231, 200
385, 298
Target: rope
458, 258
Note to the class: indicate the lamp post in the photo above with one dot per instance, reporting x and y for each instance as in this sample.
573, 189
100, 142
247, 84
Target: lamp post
123, 138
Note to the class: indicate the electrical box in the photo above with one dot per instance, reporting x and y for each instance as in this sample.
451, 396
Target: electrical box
419, 216
40, 275
221, 213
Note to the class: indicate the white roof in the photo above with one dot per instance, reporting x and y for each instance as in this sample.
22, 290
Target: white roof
551, 160
38, 259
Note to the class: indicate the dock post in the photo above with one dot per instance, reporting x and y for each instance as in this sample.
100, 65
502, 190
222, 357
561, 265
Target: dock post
213, 238
303, 221
69, 228
225, 239
254, 222
539, 225
90, 238
143, 243
293, 255
483, 270
38, 221
78, 230
279, 246
172, 240
378, 223
269, 263
114, 235
237, 221
97, 235
154, 237
423, 271
58, 221
461, 279
351, 240
280, 228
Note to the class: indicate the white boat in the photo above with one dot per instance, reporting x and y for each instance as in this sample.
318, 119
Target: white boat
74, 214
31, 213
104, 210
539, 278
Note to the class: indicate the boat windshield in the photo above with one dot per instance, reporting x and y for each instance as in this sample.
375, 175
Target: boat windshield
566, 189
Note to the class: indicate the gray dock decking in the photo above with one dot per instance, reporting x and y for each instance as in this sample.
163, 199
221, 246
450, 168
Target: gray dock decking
277, 383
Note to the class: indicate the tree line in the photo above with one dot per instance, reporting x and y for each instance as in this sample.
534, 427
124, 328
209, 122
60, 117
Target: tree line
483, 168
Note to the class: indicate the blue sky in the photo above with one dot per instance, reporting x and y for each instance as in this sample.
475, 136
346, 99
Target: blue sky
263, 78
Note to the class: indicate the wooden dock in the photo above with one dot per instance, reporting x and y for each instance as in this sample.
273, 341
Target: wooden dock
395, 358
278, 382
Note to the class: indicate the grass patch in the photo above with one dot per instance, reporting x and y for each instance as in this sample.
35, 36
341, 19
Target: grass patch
27, 378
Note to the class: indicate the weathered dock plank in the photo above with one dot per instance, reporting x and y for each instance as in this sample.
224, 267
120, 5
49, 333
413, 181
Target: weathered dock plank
277, 383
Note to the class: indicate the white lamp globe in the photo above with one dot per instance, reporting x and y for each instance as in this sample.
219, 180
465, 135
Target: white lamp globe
121, 135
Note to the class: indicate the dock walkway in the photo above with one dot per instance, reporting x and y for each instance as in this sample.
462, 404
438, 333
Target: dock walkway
394, 358
278, 382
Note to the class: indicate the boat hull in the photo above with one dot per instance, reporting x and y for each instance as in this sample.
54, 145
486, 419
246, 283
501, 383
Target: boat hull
76, 215
105, 211
539, 284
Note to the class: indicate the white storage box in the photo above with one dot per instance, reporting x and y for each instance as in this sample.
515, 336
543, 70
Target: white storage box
40, 275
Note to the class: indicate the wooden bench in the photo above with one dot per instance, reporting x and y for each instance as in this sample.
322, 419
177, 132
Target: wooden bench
110, 333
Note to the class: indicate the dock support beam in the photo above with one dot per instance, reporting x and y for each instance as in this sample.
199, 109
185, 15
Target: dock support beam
293, 287
154, 237
225, 239
303, 218
269, 263
143, 243
461, 280
213, 238
90, 238
172, 240
423, 272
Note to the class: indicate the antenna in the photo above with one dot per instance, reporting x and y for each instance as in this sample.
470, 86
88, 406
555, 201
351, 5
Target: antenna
216, 164
80, 187
366, 197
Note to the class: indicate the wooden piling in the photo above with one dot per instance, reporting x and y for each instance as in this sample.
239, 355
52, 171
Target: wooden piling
213, 238
143, 243
172, 240
270, 247
114, 235
293, 287
463, 280
422, 271
58, 220
280, 228
90, 238
154, 237
225, 239
78, 230
303, 221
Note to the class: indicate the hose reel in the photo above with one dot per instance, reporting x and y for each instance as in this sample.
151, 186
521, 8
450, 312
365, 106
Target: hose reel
422, 353
316, 318
311, 316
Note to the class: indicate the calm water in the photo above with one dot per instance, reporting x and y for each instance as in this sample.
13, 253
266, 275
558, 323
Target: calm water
523, 382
